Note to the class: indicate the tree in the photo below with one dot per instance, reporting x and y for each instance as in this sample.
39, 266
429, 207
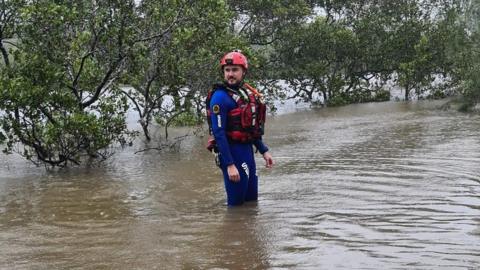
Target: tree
263, 22
468, 59
319, 58
400, 41
60, 96
9, 19
176, 58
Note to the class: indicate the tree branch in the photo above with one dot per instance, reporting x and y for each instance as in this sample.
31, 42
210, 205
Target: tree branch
48, 115
4, 54
169, 121
166, 31
154, 103
134, 102
100, 87
10, 43
80, 70
165, 145
250, 21
148, 86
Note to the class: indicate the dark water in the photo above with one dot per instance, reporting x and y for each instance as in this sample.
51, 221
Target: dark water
372, 186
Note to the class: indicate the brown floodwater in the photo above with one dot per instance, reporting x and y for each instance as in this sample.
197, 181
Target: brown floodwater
370, 186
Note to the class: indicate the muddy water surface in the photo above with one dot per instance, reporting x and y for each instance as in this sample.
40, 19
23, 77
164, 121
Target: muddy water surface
371, 186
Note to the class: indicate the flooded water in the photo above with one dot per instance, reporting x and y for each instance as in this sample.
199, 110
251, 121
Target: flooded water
370, 186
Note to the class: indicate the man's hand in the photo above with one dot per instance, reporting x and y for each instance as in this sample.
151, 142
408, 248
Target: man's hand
233, 173
268, 160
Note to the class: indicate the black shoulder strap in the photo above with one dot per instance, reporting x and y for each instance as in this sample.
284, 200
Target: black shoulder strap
211, 91
218, 85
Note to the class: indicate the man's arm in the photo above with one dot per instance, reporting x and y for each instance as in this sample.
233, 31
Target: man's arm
263, 149
219, 111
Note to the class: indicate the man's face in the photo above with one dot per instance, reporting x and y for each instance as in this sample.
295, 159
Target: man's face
233, 74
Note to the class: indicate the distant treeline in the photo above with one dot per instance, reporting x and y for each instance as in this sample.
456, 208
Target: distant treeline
64, 64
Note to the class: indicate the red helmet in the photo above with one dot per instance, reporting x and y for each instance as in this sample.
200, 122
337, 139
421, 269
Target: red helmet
234, 58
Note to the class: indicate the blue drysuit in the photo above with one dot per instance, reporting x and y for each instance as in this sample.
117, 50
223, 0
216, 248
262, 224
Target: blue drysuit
240, 154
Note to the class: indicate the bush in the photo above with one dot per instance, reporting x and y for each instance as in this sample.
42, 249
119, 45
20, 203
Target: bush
339, 100
381, 95
359, 96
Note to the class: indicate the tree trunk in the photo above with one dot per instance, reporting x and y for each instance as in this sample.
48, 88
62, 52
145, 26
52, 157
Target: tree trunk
407, 92
4, 54
146, 132
325, 97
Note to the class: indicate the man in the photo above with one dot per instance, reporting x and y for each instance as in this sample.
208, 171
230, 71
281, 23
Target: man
236, 119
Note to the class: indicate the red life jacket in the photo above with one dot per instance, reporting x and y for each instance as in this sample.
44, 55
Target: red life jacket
246, 122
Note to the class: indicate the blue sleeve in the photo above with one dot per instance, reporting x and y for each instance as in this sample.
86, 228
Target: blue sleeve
219, 108
261, 147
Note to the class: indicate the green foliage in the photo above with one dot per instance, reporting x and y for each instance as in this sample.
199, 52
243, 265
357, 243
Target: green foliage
339, 100
437, 94
176, 59
381, 95
60, 81
59, 96
469, 56
416, 70
9, 20
320, 57
471, 84
339, 53
263, 22
359, 96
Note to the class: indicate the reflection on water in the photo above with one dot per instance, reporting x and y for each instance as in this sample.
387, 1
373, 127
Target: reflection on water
371, 186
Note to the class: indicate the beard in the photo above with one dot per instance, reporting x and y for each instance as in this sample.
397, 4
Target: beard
234, 86
236, 83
